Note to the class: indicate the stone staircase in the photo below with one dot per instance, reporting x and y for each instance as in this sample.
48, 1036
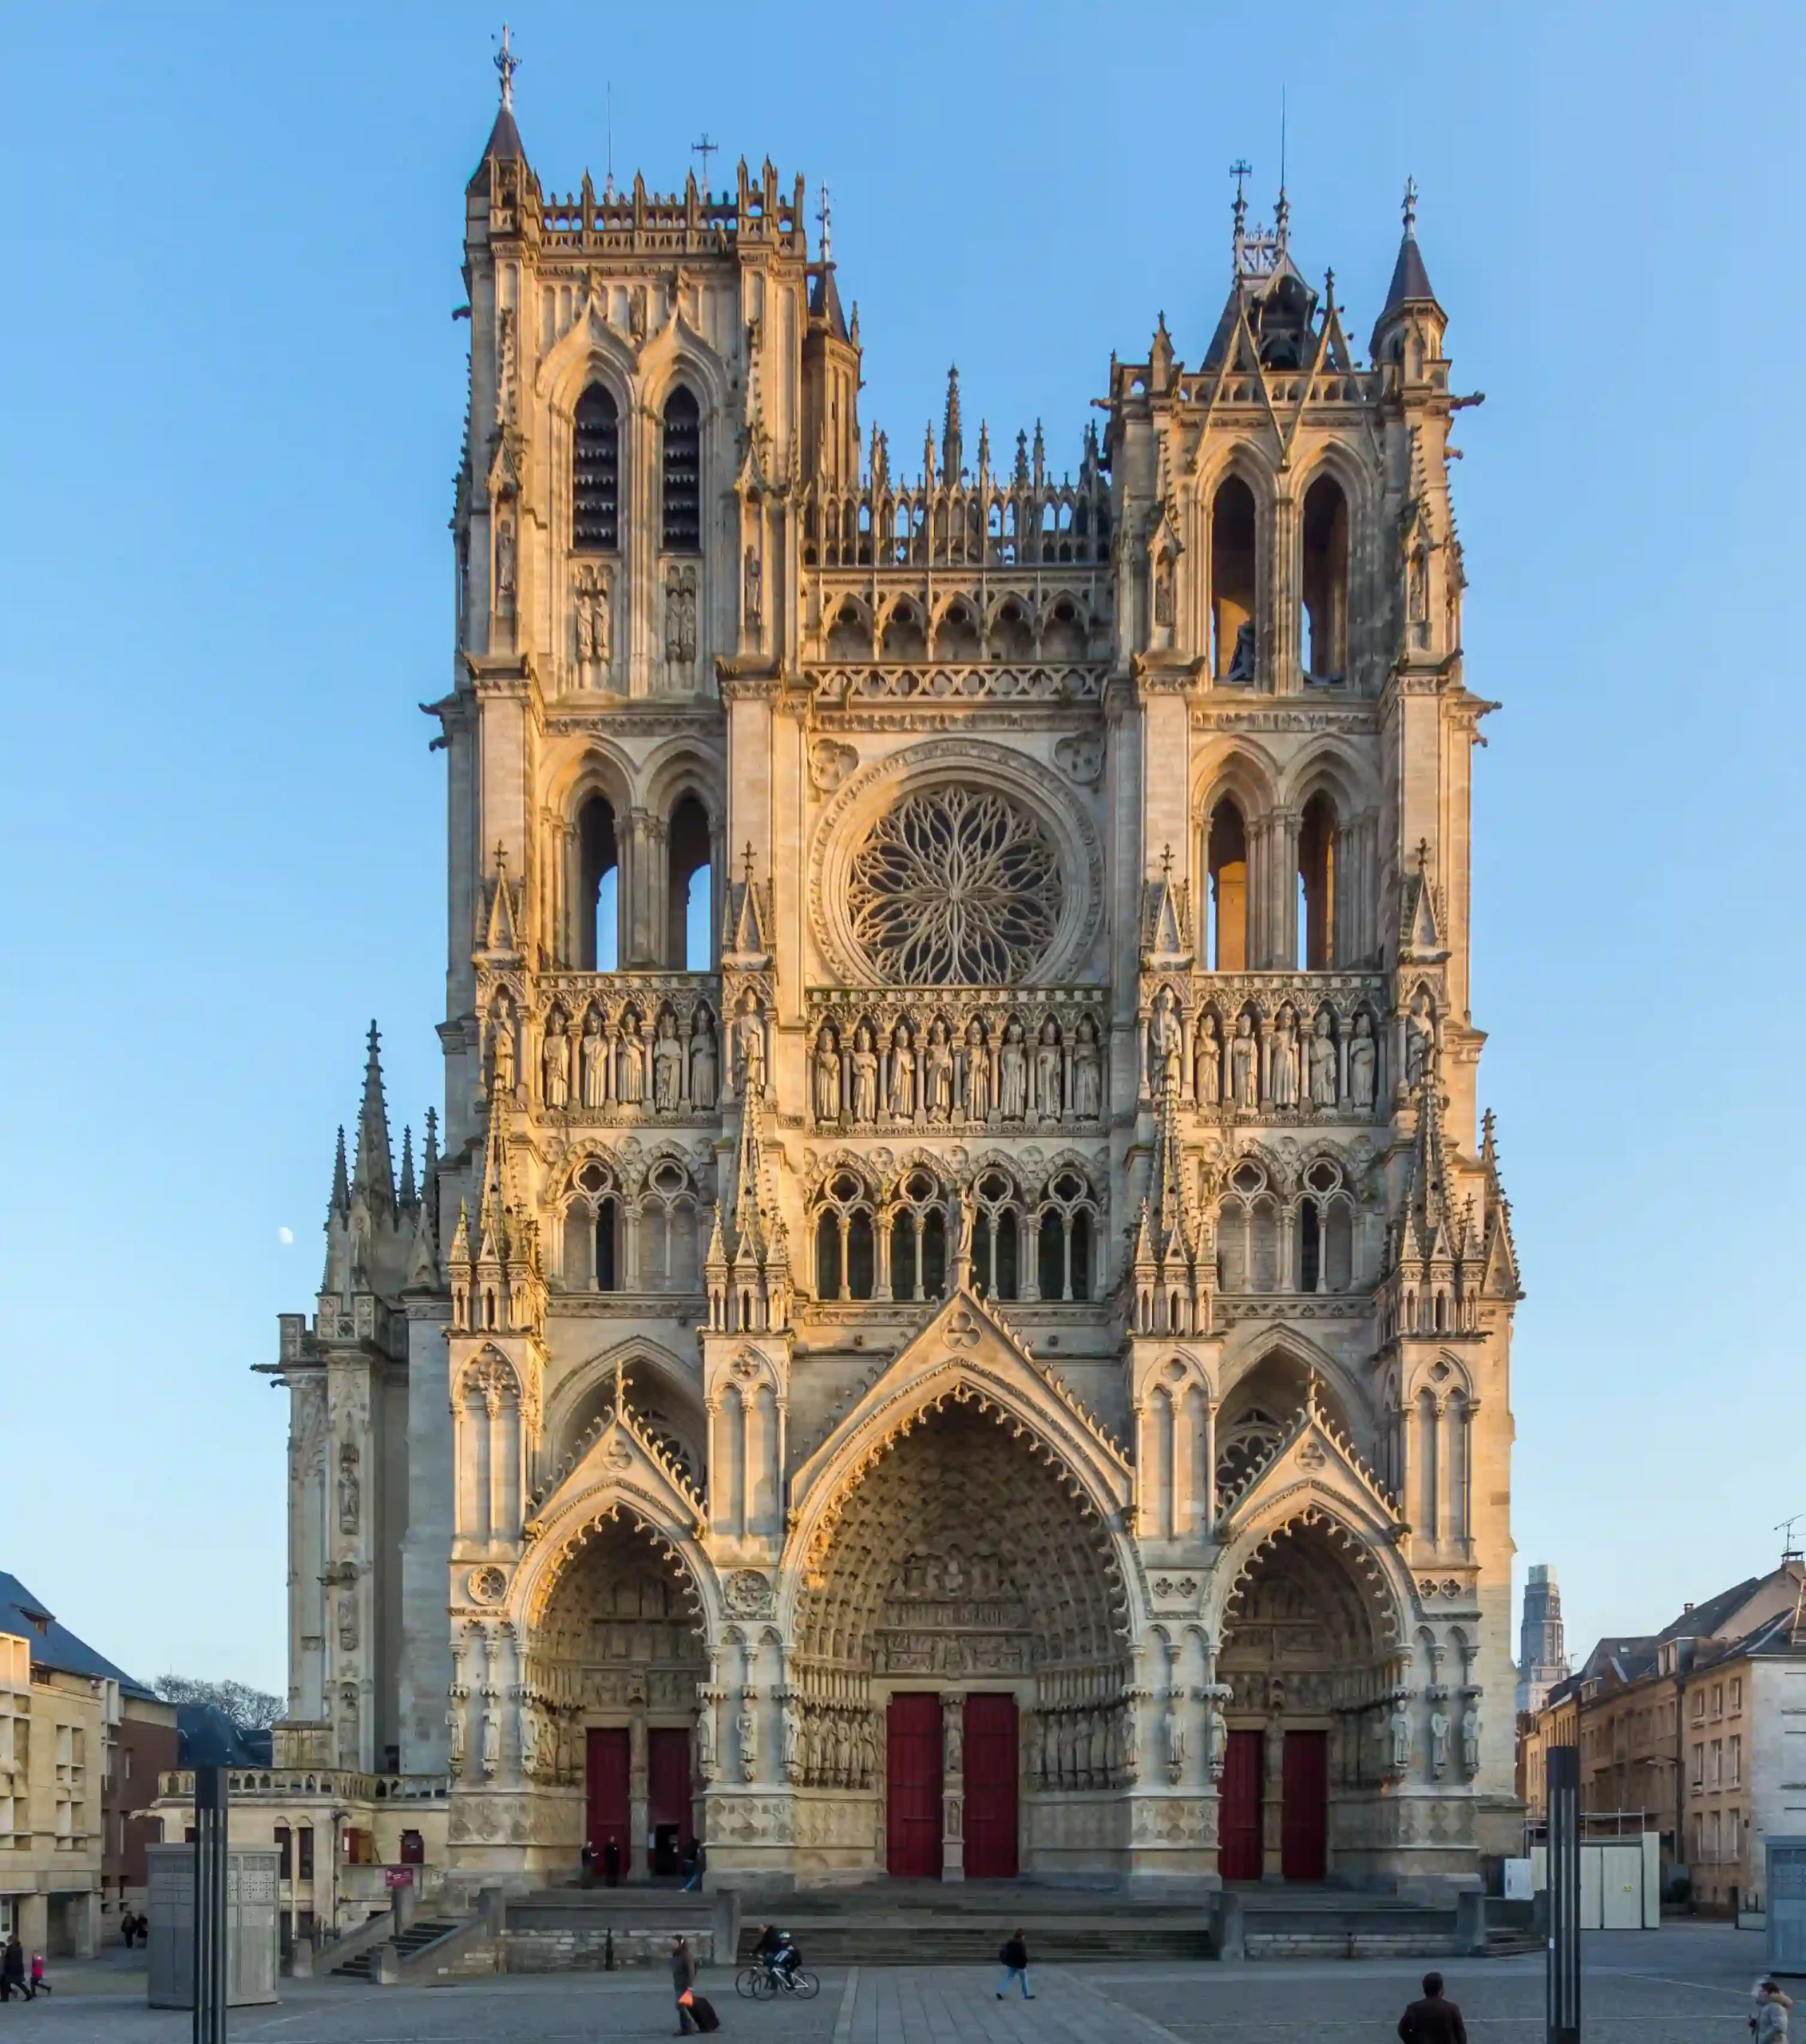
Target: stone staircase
361, 1966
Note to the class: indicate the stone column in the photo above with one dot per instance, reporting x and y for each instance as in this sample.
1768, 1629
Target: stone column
953, 1785
639, 1832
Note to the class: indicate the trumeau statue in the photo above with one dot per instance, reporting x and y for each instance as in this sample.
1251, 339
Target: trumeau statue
951, 747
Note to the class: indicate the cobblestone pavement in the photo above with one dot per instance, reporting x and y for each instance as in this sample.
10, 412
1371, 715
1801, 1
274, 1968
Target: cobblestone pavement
1686, 1984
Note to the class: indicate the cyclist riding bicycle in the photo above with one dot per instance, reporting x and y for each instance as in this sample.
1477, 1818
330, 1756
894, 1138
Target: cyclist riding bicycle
778, 1952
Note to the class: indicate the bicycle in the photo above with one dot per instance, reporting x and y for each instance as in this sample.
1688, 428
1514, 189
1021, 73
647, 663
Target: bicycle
763, 1983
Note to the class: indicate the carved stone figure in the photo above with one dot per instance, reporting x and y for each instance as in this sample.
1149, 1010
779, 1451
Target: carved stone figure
680, 616
1172, 1725
1166, 1045
1322, 1057
556, 1062
1439, 1740
348, 1621
1398, 1727
504, 558
703, 1063
348, 1489
865, 1076
491, 1742
630, 1063
975, 1074
1419, 1040
1362, 1063
755, 590
748, 1047
1207, 1064
590, 613
1241, 659
937, 1073
1285, 1059
668, 1065
793, 1742
1088, 1072
1244, 1064
1470, 1738
1012, 1075
529, 1742
827, 1076
746, 1733
953, 1738
705, 1742
1216, 1726
1163, 590
454, 1736
900, 1102
591, 1064
1048, 1087
501, 1050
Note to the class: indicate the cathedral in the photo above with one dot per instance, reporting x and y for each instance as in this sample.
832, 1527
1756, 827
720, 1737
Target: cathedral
957, 1322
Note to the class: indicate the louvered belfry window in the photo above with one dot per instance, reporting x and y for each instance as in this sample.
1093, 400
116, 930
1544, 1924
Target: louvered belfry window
682, 475
596, 474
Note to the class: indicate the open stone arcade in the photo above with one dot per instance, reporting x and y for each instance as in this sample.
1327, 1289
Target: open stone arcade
960, 1324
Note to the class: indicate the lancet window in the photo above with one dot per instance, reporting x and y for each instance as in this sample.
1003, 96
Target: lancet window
598, 905
996, 1236
1066, 1237
690, 938
1248, 1231
1234, 579
1316, 885
1326, 1218
596, 474
1325, 581
682, 474
1226, 859
845, 1261
918, 1238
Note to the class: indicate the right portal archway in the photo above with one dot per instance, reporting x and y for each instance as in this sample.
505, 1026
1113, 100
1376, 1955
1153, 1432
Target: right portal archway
1311, 1663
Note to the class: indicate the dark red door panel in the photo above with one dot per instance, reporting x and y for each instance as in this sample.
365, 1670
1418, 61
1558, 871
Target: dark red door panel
990, 1776
913, 1846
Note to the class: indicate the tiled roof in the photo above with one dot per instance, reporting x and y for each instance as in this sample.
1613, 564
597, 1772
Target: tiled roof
54, 1644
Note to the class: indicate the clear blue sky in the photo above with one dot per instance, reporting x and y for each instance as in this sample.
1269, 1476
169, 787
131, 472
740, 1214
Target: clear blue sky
233, 401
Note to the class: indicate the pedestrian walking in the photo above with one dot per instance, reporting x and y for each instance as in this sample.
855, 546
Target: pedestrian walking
39, 1984
610, 1861
1434, 2020
1769, 2024
1014, 1957
12, 1971
586, 1861
683, 1985
696, 1862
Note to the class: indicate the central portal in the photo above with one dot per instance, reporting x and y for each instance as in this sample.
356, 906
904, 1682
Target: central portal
951, 1758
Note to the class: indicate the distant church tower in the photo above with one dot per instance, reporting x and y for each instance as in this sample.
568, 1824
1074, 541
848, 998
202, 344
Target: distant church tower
962, 1323
1542, 1660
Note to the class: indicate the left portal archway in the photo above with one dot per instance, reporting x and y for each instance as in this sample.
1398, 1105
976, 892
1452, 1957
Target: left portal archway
614, 1659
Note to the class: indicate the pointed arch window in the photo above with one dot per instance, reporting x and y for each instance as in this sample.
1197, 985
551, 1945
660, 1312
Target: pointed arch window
596, 474
1226, 852
1235, 575
1325, 581
682, 472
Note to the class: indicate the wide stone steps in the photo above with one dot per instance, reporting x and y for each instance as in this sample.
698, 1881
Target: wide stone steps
947, 1941
415, 1938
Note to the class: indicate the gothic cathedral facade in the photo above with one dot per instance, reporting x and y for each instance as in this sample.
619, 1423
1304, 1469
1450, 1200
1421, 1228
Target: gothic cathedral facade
960, 1322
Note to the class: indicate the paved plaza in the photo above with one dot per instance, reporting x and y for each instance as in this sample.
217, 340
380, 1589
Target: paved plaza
1687, 1984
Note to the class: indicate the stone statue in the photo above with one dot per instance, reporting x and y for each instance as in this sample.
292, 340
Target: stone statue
680, 616
1322, 1057
746, 1728
1470, 1738
755, 590
793, 1742
1207, 1064
900, 1103
1165, 1046
749, 1047
827, 1076
1419, 1040
347, 1622
502, 1048
630, 1063
1049, 1084
1363, 1060
348, 1499
556, 1062
1244, 1065
1037, 1746
529, 1741
1012, 1075
1172, 1722
1285, 1080
1241, 660
1218, 1727
1163, 590
705, 1743
454, 1737
1398, 1726
593, 1067
953, 1727
504, 557
976, 1074
1088, 1072
865, 1076
703, 1074
668, 1065
1440, 1729
937, 1073
491, 1742
600, 637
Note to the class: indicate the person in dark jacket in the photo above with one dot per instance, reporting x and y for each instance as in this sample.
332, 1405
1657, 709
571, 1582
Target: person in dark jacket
683, 1983
611, 1860
1434, 2020
12, 1970
1015, 1957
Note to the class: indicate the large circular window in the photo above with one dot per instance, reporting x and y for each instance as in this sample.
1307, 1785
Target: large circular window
955, 885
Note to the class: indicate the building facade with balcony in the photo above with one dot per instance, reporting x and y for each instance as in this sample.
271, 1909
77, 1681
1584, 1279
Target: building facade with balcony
958, 1319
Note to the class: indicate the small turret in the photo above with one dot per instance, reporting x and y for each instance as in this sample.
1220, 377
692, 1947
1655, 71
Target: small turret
1410, 300
505, 145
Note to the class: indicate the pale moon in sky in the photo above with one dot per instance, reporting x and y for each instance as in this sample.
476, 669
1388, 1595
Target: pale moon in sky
285, 1236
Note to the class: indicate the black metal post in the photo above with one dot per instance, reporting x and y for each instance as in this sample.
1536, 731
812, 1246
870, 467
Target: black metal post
1563, 1780
210, 1834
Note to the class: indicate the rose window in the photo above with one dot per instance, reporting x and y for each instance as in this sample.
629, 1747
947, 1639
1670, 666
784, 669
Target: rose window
955, 885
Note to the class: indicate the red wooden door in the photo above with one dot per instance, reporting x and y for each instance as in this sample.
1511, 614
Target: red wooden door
990, 1772
913, 1846
668, 1796
1238, 1817
1303, 1810
606, 1761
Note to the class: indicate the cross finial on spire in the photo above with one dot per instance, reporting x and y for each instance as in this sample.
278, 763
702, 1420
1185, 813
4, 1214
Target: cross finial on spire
748, 861
506, 65
704, 148
1166, 863
1240, 170
822, 216
1411, 205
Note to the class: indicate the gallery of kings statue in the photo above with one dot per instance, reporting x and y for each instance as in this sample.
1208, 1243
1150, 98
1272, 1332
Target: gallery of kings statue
957, 1322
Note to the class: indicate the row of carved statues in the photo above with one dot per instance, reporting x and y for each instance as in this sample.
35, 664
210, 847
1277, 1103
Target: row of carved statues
591, 1059
983, 1075
1246, 1064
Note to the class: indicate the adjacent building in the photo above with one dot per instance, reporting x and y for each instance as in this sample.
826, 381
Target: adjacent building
1542, 1658
1696, 1732
961, 1322
81, 1745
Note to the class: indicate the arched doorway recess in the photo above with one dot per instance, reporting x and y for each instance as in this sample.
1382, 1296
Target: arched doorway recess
613, 1663
1312, 1668
961, 1658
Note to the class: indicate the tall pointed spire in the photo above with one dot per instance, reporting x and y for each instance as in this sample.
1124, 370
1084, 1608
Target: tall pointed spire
373, 1175
407, 1197
952, 451
504, 145
341, 1202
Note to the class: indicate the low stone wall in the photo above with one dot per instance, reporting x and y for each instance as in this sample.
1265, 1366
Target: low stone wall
582, 1947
